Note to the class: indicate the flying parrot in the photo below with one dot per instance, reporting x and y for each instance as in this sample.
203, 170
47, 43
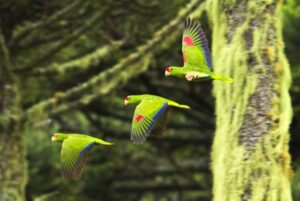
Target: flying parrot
196, 56
74, 152
150, 115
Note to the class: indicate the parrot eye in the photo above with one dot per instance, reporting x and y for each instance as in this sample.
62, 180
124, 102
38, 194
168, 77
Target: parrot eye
169, 69
54, 135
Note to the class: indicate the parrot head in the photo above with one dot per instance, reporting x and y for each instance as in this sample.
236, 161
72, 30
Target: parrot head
58, 137
133, 99
172, 71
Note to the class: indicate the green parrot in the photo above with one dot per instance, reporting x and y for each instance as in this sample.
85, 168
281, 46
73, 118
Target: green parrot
150, 116
196, 56
74, 152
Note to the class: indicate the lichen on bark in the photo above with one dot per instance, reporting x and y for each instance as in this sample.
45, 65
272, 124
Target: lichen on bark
12, 157
253, 113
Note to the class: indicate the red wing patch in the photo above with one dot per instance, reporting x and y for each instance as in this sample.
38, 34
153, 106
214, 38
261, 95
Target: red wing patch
183, 55
139, 118
188, 40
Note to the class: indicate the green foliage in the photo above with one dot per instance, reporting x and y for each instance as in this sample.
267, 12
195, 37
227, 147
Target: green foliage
291, 27
290, 32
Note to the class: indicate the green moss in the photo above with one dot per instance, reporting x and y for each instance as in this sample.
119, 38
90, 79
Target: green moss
14, 177
258, 170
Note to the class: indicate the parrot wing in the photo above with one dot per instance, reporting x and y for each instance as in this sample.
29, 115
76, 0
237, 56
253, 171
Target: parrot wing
160, 125
146, 115
73, 156
194, 46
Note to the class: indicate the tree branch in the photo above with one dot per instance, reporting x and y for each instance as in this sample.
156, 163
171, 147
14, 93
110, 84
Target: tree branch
46, 197
5, 71
32, 27
56, 48
106, 81
164, 171
82, 63
157, 187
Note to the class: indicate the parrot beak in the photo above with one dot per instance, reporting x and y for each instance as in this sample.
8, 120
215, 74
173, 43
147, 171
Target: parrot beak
125, 102
53, 138
167, 73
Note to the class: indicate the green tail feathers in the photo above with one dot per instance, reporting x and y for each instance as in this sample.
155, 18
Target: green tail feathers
220, 77
103, 142
172, 103
184, 106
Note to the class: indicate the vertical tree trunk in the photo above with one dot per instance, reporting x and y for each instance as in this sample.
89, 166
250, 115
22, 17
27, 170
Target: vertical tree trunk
12, 167
250, 159
12, 151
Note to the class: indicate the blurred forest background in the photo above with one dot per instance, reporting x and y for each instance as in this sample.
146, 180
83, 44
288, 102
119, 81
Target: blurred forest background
75, 62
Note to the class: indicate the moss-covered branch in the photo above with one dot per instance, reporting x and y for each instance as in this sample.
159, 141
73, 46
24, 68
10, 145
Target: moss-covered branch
164, 187
5, 71
12, 157
166, 171
83, 63
30, 28
106, 81
61, 44
47, 196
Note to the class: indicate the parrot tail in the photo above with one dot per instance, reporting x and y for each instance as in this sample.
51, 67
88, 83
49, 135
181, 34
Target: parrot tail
184, 106
220, 77
103, 142
172, 103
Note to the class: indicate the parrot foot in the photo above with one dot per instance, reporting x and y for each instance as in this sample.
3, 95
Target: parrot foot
192, 76
189, 77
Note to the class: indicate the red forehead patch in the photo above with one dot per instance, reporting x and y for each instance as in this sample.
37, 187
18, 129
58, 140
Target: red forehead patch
139, 118
169, 69
188, 40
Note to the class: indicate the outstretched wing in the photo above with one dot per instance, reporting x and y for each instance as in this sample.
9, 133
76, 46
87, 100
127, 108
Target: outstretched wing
146, 114
160, 125
194, 46
73, 156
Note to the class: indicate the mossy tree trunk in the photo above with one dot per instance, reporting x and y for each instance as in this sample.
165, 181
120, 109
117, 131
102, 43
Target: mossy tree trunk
12, 166
250, 159
12, 151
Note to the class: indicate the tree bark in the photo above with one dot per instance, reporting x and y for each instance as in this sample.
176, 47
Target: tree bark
12, 151
250, 158
12, 167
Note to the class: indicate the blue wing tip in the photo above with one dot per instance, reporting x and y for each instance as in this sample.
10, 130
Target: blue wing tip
141, 137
